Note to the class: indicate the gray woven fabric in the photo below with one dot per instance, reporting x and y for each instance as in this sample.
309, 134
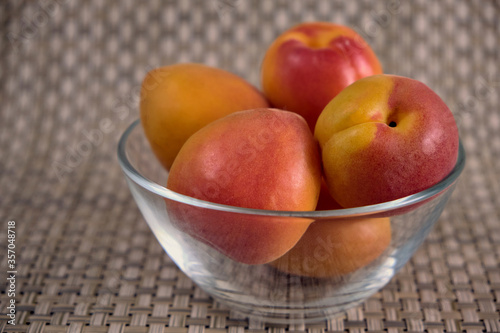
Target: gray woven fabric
70, 74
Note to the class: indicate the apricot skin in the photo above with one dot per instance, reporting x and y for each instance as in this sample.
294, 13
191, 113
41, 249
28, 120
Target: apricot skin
178, 100
262, 159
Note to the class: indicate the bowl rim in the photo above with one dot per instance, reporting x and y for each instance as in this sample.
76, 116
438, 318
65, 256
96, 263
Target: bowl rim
151, 186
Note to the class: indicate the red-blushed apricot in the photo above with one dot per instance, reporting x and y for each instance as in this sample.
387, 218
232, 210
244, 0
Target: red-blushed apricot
178, 100
262, 159
309, 64
331, 248
385, 137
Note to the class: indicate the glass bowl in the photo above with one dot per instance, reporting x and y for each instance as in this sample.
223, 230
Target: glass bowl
343, 257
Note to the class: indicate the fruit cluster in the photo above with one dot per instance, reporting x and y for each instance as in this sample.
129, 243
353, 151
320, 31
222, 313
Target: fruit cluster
329, 130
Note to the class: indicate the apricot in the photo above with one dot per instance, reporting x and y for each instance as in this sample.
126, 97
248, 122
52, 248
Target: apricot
261, 159
178, 100
309, 64
385, 137
332, 248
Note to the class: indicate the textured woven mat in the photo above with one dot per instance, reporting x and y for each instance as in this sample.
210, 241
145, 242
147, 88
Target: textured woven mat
86, 260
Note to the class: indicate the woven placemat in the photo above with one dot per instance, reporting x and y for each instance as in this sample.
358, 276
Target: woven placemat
85, 258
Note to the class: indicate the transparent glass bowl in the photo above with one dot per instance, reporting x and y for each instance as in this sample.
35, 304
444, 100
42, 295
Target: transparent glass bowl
343, 257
